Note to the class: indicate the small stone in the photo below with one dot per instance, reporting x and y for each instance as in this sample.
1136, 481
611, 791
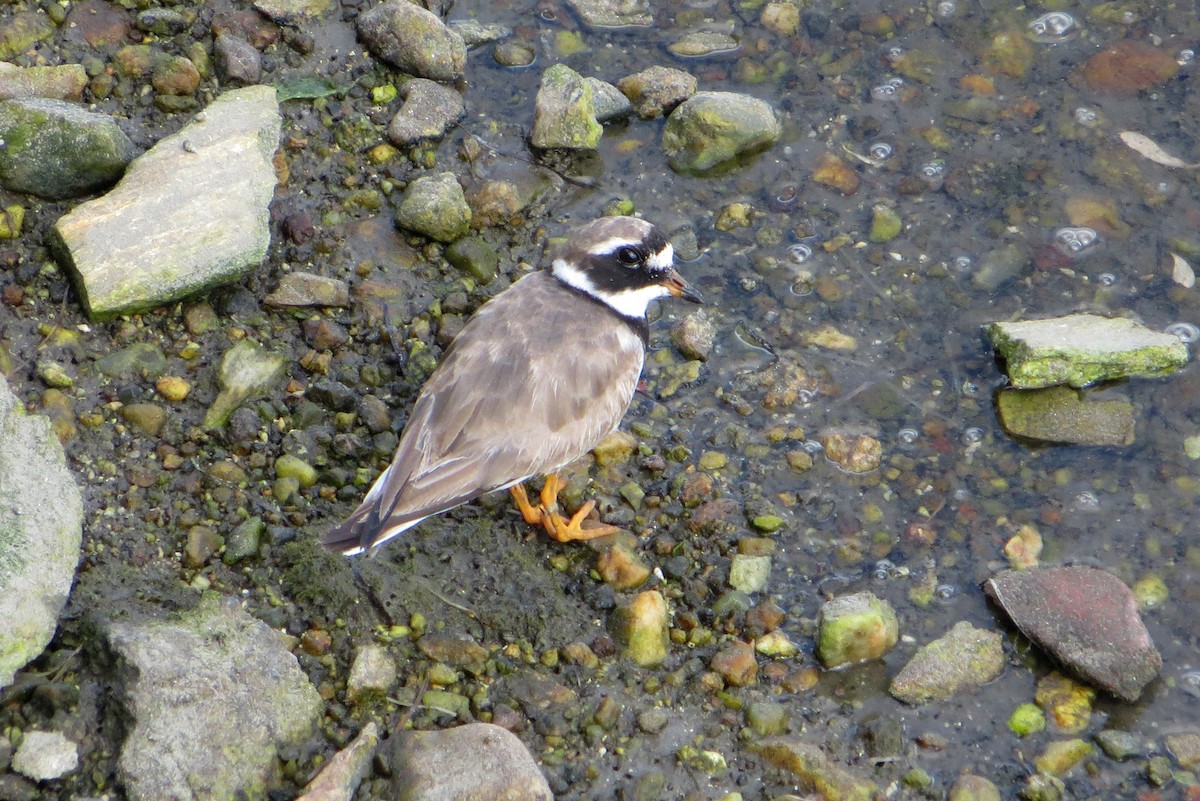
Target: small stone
885, 224
766, 718
837, 174
855, 628
1061, 756
963, 658
1067, 702
969, 787
1185, 748
247, 371
301, 289
372, 674
475, 257
435, 206
1151, 592
781, 18
1117, 744
749, 573
1027, 719
414, 40
202, 544
712, 129
243, 542
653, 720
855, 453
777, 645
325, 334
11, 219
564, 116
694, 336
428, 112
656, 91
237, 59
176, 76
736, 664
148, 418
1128, 66
54, 374
288, 466
699, 44
45, 756
514, 54
642, 626
608, 103
621, 568
615, 449
1009, 53
172, 388
814, 770
1065, 415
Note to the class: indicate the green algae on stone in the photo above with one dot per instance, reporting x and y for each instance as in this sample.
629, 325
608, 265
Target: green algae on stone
964, 657
564, 114
641, 625
247, 371
855, 628
22, 31
1082, 349
1065, 415
885, 224
970, 787
1061, 756
435, 206
1027, 719
289, 466
713, 129
815, 771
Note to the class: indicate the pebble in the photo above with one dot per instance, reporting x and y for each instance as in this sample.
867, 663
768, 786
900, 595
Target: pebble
836, 174
641, 625
736, 664
435, 206
288, 466
694, 336
429, 110
430, 765
202, 545
656, 91
413, 39
148, 418
45, 756
173, 388
372, 674
237, 59
855, 628
302, 289
622, 568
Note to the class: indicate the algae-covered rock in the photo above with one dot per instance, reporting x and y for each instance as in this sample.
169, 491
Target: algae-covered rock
1082, 349
58, 150
435, 206
641, 625
964, 657
564, 114
815, 772
1065, 415
414, 40
247, 371
711, 129
855, 628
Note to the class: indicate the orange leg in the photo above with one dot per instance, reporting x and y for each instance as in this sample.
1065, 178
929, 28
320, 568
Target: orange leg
547, 515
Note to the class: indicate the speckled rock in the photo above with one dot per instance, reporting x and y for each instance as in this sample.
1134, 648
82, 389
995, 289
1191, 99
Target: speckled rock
308, 289
40, 545
294, 12
613, 13
216, 670
435, 206
429, 766
1065, 415
45, 755
694, 336
247, 371
814, 771
855, 628
340, 777
963, 657
61, 82
564, 115
58, 150
414, 40
237, 59
712, 129
372, 674
428, 112
190, 214
642, 627
657, 91
608, 103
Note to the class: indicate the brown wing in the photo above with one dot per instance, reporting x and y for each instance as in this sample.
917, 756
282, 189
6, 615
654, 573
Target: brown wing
535, 379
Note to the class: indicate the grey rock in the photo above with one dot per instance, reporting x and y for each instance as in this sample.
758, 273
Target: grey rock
190, 214
41, 520
1082, 349
414, 40
712, 129
1086, 618
697, 44
656, 91
694, 336
475, 33
429, 766
162, 21
143, 359
308, 289
435, 206
428, 112
963, 657
45, 755
62, 82
969, 787
475, 257
292, 12
211, 694
341, 776
608, 103
613, 13
1118, 745
57, 150
247, 371
373, 673
514, 54
237, 59
564, 115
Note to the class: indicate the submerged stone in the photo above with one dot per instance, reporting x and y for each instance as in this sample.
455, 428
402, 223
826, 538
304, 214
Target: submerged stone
1084, 617
564, 114
1065, 415
247, 371
1082, 349
414, 40
435, 206
963, 657
855, 628
613, 13
814, 770
712, 129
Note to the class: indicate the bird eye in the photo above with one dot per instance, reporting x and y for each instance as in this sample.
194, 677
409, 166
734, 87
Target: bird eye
629, 256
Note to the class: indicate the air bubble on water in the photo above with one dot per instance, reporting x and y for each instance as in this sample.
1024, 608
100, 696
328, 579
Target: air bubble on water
1075, 242
806, 396
1186, 332
888, 91
783, 196
970, 388
1185, 56
1189, 682
802, 287
895, 52
946, 8
933, 169
1057, 26
963, 263
1106, 279
1086, 116
811, 446
799, 253
945, 592
907, 435
881, 151
885, 569
972, 435
1086, 501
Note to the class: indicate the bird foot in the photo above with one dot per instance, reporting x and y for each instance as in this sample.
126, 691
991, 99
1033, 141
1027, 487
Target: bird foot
546, 514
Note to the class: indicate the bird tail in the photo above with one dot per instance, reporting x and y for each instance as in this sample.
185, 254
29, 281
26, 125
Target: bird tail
356, 533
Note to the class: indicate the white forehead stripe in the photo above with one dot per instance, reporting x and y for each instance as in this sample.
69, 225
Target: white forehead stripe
571, 275
663, 259
611, 244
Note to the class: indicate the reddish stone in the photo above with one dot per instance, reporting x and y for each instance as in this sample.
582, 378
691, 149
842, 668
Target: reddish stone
97, 23
1127, 67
